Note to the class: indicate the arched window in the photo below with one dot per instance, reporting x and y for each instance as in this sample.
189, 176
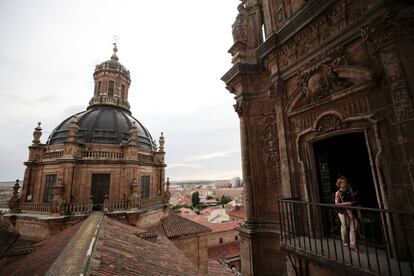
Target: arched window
145, 186
111, 88
123, 92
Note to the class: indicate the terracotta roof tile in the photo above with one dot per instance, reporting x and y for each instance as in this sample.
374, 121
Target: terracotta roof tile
48, 250
223, 227
7, 237
119, 251
176, 226
238, 213
216, 268
224, 251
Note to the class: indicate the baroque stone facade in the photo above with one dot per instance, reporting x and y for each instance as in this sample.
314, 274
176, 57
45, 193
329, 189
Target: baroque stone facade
307, 72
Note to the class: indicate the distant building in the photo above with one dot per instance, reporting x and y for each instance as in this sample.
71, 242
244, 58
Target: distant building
237, 214
235, 182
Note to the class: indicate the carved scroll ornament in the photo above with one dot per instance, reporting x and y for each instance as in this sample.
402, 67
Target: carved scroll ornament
329, 123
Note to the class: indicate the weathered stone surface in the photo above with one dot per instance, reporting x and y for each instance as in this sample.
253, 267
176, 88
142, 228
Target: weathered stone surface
323, 69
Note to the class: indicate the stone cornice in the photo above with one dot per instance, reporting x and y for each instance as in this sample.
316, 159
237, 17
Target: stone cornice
242, 69
310, 11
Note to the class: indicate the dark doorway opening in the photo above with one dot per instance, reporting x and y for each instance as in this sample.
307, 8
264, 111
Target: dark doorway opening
99, 188
347, 155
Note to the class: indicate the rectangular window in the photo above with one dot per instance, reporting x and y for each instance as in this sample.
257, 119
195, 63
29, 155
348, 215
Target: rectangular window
123, 91
145, 186
111, 88
49, 184
99, 87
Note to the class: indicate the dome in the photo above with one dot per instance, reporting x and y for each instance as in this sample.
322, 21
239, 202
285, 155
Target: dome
103, 125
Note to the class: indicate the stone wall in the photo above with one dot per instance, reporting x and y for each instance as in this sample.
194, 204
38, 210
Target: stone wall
194, 248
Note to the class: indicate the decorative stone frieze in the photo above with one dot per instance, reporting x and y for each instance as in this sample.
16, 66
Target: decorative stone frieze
271, 143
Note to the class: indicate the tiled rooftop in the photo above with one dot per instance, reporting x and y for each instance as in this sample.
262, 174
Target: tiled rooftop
217, 268
119, 251
7, 237
177, 226
223, 227
238, 213
224, 251
47, 251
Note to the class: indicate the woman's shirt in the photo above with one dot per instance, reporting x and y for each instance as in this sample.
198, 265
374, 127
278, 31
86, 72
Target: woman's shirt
345, 196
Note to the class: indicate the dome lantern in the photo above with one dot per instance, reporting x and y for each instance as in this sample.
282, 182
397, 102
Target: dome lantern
112, 81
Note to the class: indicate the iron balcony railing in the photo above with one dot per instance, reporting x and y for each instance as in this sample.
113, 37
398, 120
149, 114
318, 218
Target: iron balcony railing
384, 238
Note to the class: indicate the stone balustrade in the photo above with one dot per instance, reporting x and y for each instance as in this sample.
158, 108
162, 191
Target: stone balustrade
145, 202
112, 206
28, 207
78, 208
115, 205
102, 155
53, 154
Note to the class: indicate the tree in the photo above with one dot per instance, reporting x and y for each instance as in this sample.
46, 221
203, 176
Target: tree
209, 197
195, 199
224, 200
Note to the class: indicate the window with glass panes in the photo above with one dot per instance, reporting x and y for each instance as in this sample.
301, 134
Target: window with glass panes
111, 88
49, 183
145, 186
123, 91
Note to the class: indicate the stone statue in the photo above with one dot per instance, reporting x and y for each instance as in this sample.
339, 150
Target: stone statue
134, 196
240, 25
15, 200
57, 203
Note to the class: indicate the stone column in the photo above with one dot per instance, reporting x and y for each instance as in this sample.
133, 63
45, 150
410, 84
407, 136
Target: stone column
240, 107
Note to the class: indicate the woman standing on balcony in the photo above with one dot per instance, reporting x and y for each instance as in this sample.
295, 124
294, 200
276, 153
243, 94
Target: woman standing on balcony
345, 197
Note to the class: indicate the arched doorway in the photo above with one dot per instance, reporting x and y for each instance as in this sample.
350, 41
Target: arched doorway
346, 155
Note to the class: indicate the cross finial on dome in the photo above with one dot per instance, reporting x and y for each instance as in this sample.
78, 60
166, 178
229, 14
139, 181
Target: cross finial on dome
114, 56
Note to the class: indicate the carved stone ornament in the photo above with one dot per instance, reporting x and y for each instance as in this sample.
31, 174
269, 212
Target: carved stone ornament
240, 24
272, 148
167, 193
15, 200
276, 87
37, 133
389, 29
329, 123
240, 107
57, 203
400, 96
321, 81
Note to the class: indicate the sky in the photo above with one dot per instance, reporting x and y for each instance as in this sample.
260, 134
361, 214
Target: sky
176, 52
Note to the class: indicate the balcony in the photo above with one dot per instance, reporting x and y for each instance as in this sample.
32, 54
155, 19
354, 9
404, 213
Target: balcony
384, 238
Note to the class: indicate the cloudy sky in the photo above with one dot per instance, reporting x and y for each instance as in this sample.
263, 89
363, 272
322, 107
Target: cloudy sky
176, 52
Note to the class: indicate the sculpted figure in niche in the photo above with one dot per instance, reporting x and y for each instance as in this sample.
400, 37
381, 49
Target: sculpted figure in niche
240, 25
